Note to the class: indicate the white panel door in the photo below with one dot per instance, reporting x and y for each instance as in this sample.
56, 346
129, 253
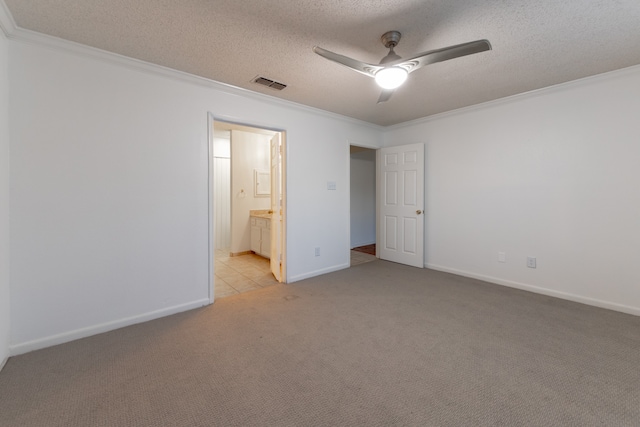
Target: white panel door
401, 199
276, 209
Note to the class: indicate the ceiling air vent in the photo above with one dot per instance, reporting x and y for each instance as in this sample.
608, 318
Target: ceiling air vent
269, 83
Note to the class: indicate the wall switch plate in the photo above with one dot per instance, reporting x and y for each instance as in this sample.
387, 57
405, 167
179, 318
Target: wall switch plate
331, 185
317, 251
502, 257
531, 262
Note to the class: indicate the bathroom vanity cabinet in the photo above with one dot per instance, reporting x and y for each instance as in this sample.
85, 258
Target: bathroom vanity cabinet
261, 236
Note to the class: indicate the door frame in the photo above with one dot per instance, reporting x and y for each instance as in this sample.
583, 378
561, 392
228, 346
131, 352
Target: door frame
211, 119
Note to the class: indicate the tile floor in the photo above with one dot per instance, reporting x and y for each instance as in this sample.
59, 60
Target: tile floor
238, 274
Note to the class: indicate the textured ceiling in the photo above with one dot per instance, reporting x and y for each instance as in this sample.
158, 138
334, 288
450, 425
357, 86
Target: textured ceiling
535, 44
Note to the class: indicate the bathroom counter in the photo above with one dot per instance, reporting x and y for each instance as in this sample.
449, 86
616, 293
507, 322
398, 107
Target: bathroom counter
260, 213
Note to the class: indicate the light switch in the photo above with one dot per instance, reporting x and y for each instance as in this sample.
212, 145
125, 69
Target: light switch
331, 185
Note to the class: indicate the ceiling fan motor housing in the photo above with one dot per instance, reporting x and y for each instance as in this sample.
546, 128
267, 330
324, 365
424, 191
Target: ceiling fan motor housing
390, 39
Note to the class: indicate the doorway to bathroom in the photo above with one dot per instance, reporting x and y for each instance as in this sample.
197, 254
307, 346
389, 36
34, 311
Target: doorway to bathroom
248, 216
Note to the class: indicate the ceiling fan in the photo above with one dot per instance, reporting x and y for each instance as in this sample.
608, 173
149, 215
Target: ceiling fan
393, 70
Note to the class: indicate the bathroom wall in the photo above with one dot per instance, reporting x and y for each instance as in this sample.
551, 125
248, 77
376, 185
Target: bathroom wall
249, 151
222, 189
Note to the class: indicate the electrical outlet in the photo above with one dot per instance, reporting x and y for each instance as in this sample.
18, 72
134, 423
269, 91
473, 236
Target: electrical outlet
531, 262
502, 257
317, 251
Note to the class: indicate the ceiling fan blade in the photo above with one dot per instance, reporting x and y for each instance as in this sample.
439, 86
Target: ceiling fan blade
359, 66
444, 54
385, 95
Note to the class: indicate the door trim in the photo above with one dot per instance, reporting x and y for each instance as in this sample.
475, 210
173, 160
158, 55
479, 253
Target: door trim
210, 195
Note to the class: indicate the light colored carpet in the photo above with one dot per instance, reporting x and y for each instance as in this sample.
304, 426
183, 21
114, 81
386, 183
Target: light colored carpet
379, 344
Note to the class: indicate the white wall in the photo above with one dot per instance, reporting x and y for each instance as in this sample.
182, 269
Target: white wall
249, 151
109, 192
554, 175
363, 198
4, 201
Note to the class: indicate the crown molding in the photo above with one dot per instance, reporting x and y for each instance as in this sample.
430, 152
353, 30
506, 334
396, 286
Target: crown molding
15, 33
7, 24
520, 96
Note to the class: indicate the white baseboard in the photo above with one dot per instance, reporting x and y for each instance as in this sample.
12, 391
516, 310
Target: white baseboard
317, 272
64, 337
538, 290
4, 362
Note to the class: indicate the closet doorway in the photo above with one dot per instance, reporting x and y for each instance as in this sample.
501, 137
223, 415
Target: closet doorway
247, 208
362, 195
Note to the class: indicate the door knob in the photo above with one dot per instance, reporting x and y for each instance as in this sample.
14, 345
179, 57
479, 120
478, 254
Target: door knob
418, 211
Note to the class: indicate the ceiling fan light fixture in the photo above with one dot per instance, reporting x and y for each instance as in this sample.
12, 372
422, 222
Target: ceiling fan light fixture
392, 70
391, 77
